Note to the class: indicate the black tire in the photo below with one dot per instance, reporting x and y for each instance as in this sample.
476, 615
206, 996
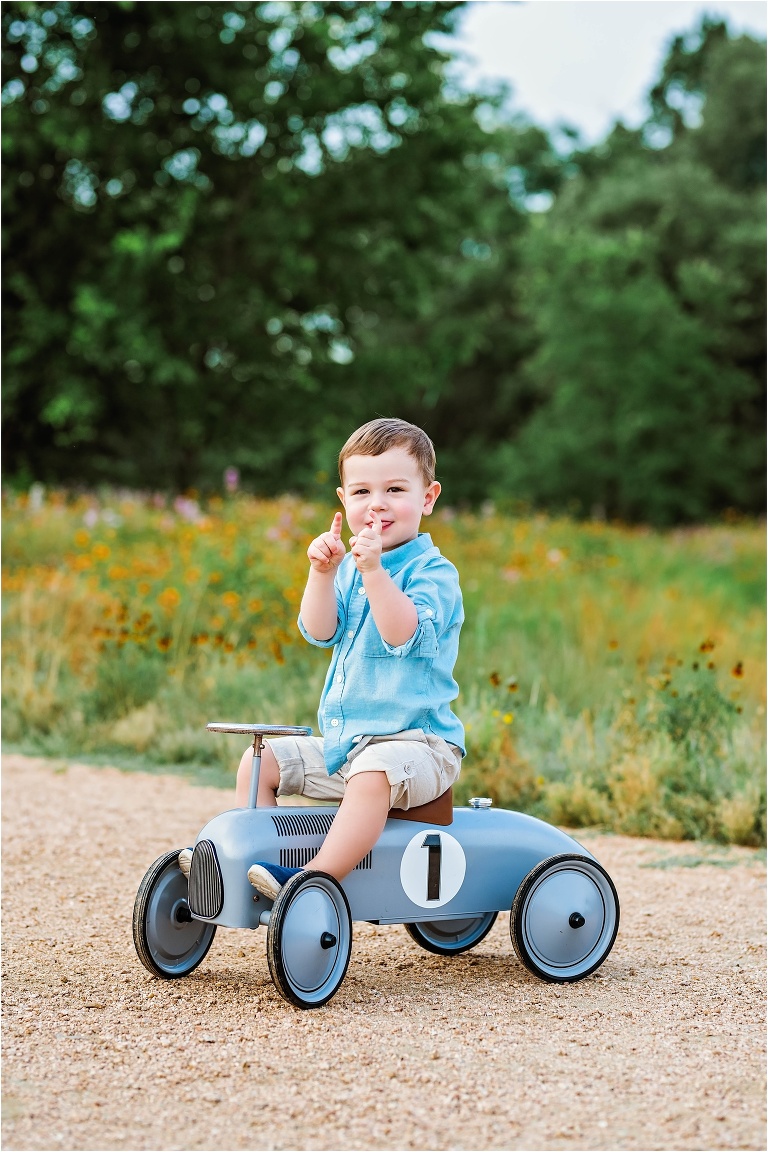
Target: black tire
309, 939
167, 940
564, 918
451, 937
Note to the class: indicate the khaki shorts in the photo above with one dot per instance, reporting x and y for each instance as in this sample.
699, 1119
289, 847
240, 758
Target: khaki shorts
418, 766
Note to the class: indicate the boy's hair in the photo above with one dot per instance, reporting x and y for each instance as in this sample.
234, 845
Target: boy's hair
378, 436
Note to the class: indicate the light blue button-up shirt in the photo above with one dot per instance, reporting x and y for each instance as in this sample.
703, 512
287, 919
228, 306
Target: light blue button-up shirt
375, 689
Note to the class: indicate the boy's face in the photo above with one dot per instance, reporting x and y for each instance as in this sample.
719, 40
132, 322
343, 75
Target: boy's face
392, 486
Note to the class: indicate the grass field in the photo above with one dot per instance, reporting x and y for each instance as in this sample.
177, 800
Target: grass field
609, 675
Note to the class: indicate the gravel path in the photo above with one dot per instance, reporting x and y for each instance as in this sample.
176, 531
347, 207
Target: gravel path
663, 1048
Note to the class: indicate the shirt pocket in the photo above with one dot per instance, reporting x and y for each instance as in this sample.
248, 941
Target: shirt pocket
424, 645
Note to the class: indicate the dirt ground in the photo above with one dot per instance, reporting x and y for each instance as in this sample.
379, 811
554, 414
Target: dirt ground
663, 1048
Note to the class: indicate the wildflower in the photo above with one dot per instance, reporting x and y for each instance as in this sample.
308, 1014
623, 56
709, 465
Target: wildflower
711, 666
613, 643
230, 600
512, 685
82, 539
255, 605
738, 670
231, 479
508, 717
101, 551
164, 643
706, 646
169, 599
215, 577
495, 679
495, 712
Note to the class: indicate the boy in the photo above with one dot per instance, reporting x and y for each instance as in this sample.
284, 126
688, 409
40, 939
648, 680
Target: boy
391, 609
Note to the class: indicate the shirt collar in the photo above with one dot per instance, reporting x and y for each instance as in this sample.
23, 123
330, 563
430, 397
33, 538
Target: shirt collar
398, 557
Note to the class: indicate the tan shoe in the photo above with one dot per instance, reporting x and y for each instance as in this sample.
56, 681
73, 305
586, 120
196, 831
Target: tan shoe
185, 860
263, 881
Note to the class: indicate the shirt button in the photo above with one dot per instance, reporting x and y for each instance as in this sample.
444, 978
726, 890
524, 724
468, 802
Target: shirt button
361, 591
351, 633
334, 723
429, 612
339, 678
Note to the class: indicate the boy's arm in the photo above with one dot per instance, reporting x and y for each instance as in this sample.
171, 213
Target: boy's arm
394, 613
319, 612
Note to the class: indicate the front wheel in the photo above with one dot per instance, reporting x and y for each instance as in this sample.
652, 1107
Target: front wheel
564, 918
451, 937
309, 939
168, 941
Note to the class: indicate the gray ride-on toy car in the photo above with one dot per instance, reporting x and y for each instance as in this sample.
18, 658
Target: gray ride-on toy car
443, 872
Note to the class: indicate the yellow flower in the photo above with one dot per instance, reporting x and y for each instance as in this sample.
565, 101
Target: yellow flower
230, 600
101, 551
508, 717
169, 599
82, 539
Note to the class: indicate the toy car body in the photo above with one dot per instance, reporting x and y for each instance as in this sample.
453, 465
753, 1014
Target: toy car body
444, 874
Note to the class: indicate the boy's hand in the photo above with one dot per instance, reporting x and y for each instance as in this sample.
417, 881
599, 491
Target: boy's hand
366, 546
326, 552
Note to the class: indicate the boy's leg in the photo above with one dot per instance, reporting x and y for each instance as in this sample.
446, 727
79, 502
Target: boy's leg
269, 779
357, 825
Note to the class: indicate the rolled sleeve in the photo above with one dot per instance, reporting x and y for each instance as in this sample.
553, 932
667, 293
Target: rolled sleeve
341, 617
424, 639
322, 643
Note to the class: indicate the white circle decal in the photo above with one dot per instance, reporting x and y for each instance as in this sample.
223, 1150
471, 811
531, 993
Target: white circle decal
432, 868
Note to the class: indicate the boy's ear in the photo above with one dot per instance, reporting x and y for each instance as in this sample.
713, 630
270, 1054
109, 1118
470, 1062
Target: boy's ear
430, 496
340, 494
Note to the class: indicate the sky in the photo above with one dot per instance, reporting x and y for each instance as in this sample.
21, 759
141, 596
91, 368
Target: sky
584, 62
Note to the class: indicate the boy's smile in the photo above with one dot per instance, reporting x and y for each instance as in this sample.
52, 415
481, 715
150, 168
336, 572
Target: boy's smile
390, 487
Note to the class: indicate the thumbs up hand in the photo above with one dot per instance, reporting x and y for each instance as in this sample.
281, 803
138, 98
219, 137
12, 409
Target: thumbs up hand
327, 551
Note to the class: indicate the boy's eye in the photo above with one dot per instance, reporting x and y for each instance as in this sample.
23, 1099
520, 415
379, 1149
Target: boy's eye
395, 489
360, 492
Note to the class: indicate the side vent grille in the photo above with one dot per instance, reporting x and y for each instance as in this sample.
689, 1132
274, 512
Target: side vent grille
303, 824
206, 888
298, 857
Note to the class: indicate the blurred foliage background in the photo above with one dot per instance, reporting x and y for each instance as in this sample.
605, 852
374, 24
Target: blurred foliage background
235, 231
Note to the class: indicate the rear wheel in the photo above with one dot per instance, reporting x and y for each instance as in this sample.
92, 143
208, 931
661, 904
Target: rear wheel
450, 937
564, 918
168, 941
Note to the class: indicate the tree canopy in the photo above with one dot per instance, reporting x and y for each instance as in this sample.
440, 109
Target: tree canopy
234, 231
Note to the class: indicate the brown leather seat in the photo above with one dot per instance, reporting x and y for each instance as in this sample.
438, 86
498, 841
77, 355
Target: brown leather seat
438, 811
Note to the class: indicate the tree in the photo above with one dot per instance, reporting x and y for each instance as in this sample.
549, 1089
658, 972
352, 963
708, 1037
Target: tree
211, 210
646, 288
